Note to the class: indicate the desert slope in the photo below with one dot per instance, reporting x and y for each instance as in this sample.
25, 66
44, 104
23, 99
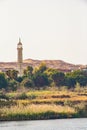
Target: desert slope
58, 64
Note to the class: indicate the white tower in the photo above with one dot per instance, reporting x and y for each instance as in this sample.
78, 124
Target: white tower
20, 57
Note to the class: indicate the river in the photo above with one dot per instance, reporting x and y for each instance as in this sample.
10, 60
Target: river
59, 124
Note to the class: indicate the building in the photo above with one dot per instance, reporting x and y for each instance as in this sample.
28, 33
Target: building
20, 57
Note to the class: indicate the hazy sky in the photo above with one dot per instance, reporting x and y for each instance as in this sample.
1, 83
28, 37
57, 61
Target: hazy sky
49, 29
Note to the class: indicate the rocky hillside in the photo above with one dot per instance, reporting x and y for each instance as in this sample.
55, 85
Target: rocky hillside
58, 64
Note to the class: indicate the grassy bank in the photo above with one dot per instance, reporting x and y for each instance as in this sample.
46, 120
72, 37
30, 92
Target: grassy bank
43, 104
34, 112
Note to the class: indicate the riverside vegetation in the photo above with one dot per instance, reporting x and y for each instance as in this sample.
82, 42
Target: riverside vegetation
42, 93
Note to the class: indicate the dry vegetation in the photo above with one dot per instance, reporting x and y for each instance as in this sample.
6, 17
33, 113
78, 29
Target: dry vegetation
44, 104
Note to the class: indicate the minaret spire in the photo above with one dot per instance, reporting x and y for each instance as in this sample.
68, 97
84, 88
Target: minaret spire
20, 57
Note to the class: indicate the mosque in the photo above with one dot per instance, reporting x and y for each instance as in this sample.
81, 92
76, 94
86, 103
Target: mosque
19, 65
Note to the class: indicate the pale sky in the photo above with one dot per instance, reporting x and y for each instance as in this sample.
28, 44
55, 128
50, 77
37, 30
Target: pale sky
49, 29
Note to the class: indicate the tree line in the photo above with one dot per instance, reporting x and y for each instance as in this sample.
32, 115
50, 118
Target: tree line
41, 77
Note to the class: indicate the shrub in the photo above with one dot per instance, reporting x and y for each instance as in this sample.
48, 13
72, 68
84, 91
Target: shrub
3, 96
13, 85
22, 96
27, 83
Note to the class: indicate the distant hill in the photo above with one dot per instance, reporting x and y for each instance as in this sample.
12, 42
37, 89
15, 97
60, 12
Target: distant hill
57, 64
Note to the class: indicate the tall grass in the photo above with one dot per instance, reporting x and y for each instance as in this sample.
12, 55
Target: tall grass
43, 104
36, 111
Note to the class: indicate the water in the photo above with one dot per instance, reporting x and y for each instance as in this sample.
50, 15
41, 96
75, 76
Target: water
60, 124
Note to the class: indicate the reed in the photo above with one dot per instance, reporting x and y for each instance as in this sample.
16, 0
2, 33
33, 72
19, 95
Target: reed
34, 111
43, 104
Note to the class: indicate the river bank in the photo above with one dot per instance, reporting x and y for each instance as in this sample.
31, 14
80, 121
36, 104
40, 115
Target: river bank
43, 104
39, 116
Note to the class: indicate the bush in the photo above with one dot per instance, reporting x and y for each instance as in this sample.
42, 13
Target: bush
27, 83
13, 85
22, 96
82, 109
3, 96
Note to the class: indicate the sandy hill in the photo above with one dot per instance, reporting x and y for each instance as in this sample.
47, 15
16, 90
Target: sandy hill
58, 64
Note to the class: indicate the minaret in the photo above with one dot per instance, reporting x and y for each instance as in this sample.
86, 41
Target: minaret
20, 57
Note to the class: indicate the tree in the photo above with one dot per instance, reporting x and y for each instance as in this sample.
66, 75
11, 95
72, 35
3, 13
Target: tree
19, 79
41, 68
79, 76
40, 80
3, 81
27, 83
13, 85
70, 79
12, 74
49, 72
8, 73
28, 72
70, 82
82, 80
58, 78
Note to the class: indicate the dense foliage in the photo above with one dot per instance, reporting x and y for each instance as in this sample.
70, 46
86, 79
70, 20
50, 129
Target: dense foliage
41, 77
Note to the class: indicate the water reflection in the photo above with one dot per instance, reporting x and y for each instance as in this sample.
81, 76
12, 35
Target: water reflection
60, 124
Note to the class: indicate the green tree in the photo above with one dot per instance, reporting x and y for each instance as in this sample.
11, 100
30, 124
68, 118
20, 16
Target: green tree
49, 72
82, 80
41, 68
19, 79
58, 78
8, 73
13, 85
79, 76
40, 78
28, 83
3, 81
12, 74
28, 72
70, 82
